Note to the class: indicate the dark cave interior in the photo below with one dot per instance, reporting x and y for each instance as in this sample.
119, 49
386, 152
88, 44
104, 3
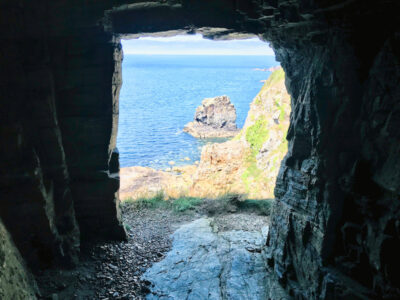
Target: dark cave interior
335, 227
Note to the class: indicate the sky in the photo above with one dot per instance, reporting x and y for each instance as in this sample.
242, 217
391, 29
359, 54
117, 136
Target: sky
194, 45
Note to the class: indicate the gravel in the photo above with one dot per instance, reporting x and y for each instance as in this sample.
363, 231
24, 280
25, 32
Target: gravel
112, 270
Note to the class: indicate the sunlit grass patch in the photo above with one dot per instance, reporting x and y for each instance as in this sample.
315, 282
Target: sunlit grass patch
185, 203
146, 202
227, 203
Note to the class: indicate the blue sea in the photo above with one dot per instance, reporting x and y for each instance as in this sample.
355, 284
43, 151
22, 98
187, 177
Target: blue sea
160, 94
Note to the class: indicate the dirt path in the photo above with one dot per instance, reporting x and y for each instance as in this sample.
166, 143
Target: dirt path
114, 270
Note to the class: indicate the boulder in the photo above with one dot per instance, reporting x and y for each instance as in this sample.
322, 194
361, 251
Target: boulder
215, 117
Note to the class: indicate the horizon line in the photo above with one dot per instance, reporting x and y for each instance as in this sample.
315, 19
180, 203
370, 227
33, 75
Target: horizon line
197, 54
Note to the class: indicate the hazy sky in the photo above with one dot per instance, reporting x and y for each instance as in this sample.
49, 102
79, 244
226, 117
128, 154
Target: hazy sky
195, 45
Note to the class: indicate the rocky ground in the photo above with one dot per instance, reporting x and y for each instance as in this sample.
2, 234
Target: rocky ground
208, 262
114, 270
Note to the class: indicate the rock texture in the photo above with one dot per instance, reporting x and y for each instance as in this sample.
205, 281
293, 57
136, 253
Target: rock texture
335, 224
144, 182
206, 264
15, 282
215, 117
249, 163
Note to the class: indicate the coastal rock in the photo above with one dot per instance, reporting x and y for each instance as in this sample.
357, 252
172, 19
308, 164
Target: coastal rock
219, 170
215, 117
138, 182
249, 163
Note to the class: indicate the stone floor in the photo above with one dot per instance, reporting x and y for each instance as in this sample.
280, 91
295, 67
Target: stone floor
210, 261
170, 255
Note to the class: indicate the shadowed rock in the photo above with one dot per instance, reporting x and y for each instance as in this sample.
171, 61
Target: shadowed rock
207, 264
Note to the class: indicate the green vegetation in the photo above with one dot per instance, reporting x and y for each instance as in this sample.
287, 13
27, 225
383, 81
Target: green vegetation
275, 77
147, 202
237, 202
257, 134
181, 204
185, 203
225, 203
253, 177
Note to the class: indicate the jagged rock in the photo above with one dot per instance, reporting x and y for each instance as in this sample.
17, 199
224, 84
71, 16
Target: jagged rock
15, 281
215, 117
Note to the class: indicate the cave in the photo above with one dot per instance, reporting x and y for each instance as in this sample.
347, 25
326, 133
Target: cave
335, 228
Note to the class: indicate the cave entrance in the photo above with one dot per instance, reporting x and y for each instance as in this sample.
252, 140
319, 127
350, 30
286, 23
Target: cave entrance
159, 140
165, 182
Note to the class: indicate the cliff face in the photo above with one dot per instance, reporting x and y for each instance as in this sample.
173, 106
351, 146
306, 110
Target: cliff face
250, 162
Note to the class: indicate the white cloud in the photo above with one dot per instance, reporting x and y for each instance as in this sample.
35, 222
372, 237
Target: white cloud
176, 38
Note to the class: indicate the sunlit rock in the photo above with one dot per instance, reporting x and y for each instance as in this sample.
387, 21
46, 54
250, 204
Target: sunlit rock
215, 117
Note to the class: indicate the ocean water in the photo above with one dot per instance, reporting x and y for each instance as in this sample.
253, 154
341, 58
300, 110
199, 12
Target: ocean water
160, 94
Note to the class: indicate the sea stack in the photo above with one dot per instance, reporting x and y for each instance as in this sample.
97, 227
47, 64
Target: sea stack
215, 117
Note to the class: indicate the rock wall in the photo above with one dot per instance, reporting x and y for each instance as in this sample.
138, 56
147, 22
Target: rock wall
15, 283
335, 226
335, 212
60, 78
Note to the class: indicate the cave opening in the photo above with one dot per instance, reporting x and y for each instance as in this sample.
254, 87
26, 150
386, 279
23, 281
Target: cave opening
331, 237
167, 80
164, 179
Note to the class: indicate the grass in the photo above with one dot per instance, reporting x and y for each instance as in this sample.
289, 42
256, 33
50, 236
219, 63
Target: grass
226, 203
181, 204
185, 203
147, 202
257, 134
262, 207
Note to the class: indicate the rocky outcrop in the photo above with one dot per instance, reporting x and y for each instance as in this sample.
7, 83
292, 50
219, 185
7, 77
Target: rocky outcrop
249, 163
215, 117
15, 281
